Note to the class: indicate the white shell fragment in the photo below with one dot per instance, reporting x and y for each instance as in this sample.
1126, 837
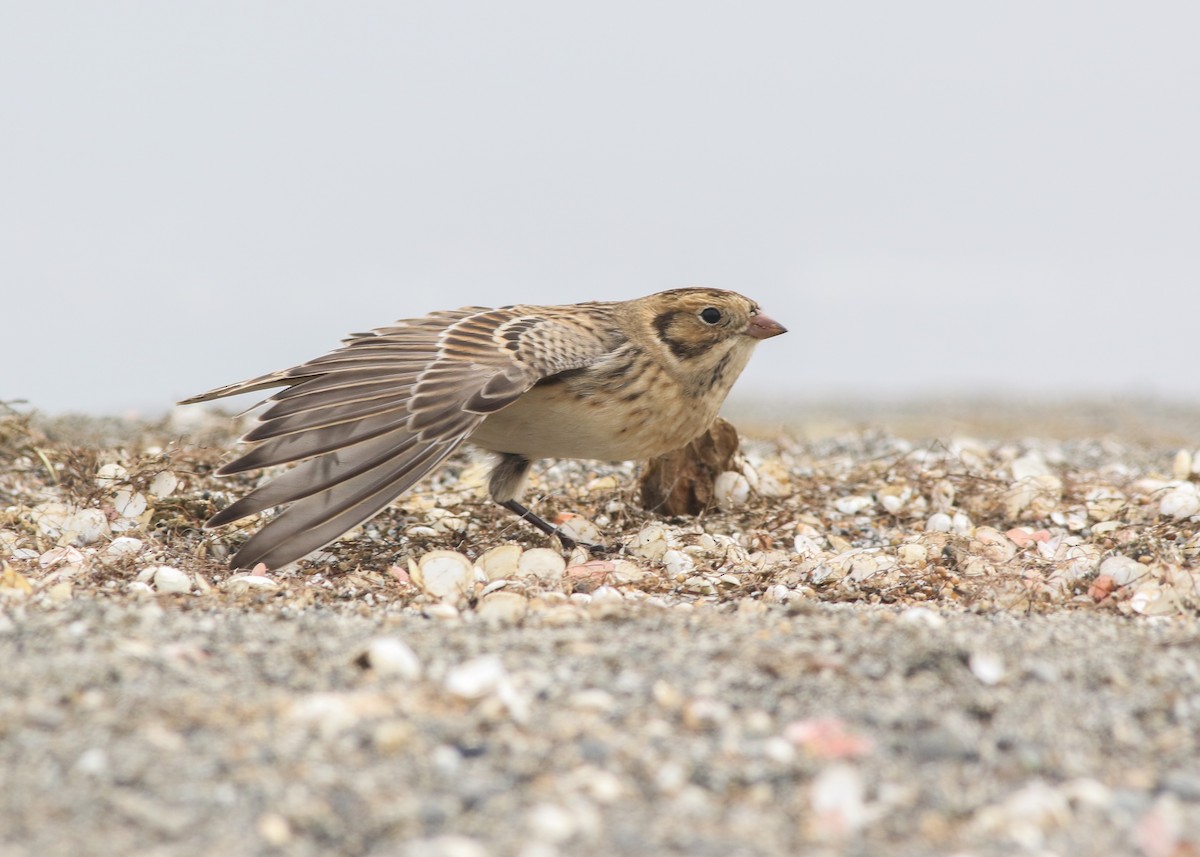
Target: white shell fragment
503, 608
993, 545
85, 526
1030, 465
838, 801
650, 542
891, 503
391, 656
163, 484
1037, 494
542, 563
606, 595
123, 546
731, 489
240, 583
988, 667
1152, 600
853, 505
476, 678
1181, 503
1123, 570
444, 574
50, 517
129, 504
678, 563
169, 580
580, 529
110, 475
1104, 503
500, 562
939, 522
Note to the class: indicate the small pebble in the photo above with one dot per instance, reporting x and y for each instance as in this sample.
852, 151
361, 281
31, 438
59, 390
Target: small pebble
923, 616
274, 829
593, 699
93, 762
939, 522
476, 678
1181, 465
446, 845
891, 503
837, 797
551, 823
988, 667
1183, 782
391, 656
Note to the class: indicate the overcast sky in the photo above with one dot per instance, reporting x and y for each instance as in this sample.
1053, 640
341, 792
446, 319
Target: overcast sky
935, 197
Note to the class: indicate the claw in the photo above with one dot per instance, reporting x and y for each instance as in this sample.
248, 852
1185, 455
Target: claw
549, 529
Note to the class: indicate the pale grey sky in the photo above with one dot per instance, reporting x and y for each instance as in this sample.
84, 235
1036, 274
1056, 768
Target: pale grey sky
935, 197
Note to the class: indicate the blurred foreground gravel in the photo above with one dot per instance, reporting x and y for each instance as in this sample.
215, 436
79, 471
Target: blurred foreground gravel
893, 641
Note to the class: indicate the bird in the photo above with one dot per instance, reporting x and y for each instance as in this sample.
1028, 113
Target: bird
603, 380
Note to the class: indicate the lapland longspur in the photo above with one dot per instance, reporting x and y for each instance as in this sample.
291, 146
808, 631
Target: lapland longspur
603, 380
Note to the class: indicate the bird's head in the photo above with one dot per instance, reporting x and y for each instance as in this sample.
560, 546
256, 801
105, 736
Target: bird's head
703, 332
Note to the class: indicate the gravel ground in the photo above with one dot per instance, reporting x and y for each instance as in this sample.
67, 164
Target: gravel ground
891, 643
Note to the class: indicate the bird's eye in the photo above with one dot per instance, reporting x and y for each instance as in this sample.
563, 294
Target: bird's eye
710, 315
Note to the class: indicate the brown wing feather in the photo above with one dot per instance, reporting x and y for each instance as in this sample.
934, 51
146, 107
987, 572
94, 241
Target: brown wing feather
318, 519
317, 474
369, 419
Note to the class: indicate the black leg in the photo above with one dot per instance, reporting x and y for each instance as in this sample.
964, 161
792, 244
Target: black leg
549, 529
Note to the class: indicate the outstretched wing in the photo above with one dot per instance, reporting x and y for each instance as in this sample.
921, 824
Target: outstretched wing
371, 418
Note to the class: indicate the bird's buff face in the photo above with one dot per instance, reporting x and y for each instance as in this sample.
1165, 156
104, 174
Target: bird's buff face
703, 331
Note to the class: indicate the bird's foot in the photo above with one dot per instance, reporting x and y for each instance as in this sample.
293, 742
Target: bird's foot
591, 547
551, 530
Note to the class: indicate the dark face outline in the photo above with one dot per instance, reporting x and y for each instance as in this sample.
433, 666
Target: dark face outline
688, 334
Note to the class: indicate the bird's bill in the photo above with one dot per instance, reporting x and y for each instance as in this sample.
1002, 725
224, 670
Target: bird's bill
764, 327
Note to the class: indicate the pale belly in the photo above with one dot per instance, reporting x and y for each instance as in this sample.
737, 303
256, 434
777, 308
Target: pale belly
552, 422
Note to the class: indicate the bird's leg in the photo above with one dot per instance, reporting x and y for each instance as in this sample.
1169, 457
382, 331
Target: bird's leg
505, 484
549, 529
